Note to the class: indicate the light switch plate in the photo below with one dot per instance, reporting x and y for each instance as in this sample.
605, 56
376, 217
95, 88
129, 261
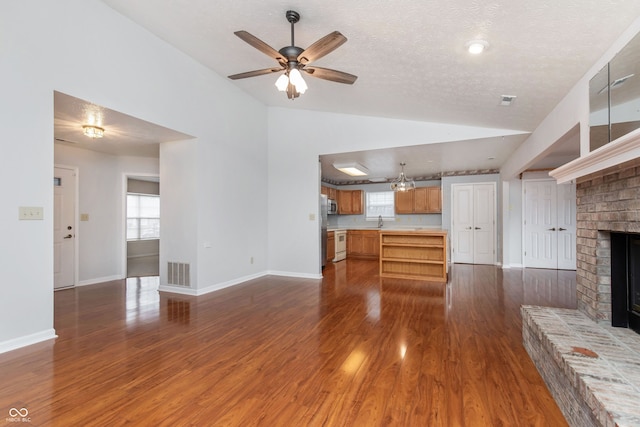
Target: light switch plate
312, 217
30, 213
84, 217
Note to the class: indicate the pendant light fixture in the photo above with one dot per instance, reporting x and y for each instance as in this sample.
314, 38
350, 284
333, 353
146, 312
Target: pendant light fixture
403, 183
93, 131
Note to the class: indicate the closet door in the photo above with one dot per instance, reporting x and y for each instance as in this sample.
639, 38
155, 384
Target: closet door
473, 229
549, 225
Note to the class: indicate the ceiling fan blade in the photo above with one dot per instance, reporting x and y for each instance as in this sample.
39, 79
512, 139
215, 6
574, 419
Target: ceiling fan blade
261, 46
255, 73
332, 75
325, 45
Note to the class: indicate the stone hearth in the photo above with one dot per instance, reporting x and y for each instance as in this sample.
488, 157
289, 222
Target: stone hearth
592, 370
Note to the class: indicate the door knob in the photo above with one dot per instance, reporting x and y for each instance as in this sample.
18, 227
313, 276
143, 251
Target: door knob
469, 228
561, 229
478, 228
551, 229
68, 236
69, 227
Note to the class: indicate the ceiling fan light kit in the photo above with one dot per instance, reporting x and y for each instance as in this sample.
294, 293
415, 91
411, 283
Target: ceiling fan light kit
403, 183
293, 59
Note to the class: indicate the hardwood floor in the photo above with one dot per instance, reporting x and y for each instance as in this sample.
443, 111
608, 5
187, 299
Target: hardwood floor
348, 350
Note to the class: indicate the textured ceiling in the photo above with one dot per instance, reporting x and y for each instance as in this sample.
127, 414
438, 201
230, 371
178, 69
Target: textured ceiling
409, 55
124, 135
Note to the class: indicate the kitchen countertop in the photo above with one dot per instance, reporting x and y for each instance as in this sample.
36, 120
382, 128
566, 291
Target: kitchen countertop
391, 228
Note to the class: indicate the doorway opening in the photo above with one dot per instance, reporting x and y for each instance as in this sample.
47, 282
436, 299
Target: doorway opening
142, 216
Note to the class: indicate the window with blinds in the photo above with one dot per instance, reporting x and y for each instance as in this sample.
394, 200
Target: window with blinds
143, 216
380, 203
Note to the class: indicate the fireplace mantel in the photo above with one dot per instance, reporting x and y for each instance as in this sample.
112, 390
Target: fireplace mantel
615, 153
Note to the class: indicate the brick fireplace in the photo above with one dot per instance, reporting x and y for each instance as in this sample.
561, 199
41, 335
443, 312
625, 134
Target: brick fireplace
607, 201
591, 368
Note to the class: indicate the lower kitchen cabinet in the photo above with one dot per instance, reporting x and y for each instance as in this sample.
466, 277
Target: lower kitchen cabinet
363, 244
331, 246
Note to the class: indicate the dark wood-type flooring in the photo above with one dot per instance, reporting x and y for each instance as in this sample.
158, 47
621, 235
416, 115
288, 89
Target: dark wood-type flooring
348, 350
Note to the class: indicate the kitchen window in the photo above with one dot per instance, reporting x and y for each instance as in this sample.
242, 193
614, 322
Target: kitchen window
379, 204
143, 216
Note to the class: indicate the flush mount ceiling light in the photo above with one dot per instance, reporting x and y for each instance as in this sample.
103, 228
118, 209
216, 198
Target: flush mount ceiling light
403, 183
293, 60
93, 131
352, 169
476, 47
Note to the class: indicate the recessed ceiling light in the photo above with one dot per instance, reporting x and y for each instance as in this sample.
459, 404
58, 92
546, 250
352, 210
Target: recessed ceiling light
476, 47
352, 169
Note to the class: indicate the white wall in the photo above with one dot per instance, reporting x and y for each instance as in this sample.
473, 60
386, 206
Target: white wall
135, 73
294, 185
101, 193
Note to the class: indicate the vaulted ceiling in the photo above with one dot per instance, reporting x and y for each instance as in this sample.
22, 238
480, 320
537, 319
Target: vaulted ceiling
410, 55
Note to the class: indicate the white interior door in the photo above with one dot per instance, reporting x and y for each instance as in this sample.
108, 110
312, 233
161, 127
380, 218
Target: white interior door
484, 223
473, 228
462, 214
567, 226
549, 225
64, 199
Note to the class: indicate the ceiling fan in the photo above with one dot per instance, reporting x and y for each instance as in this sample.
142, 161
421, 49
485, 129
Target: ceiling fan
293, 59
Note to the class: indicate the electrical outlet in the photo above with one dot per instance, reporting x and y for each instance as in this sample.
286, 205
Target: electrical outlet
312, 217
84, 217
30, 212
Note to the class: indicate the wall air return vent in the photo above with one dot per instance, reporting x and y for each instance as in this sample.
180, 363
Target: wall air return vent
178, 274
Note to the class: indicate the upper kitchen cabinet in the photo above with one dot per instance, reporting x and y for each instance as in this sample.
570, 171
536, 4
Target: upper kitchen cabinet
421, 200
331, 193
350, 202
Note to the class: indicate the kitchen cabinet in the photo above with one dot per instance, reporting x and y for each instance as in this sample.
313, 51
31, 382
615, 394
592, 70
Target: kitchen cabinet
363, 243
331, 246
350, 202
419, 201
417, 254
331, 193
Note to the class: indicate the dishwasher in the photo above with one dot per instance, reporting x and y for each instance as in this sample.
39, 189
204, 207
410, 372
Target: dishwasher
341, 245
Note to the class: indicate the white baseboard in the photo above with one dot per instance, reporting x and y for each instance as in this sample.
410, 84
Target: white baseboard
143, 256
99, 280
209, 289
508, 266
16, 343
218, 286
292, 274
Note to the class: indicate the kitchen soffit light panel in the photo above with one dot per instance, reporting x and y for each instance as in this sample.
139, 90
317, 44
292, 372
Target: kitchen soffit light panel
352, 169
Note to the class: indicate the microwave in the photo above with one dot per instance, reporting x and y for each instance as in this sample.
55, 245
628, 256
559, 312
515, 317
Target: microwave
332, 207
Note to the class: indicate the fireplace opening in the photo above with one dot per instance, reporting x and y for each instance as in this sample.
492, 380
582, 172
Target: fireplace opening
625, 280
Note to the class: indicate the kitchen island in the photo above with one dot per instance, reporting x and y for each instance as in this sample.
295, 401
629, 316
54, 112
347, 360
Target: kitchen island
414, 254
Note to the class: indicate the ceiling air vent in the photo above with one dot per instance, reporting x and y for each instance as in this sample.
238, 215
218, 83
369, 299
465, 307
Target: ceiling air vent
506, 100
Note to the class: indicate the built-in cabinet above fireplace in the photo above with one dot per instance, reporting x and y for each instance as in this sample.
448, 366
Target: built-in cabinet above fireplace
614, 97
